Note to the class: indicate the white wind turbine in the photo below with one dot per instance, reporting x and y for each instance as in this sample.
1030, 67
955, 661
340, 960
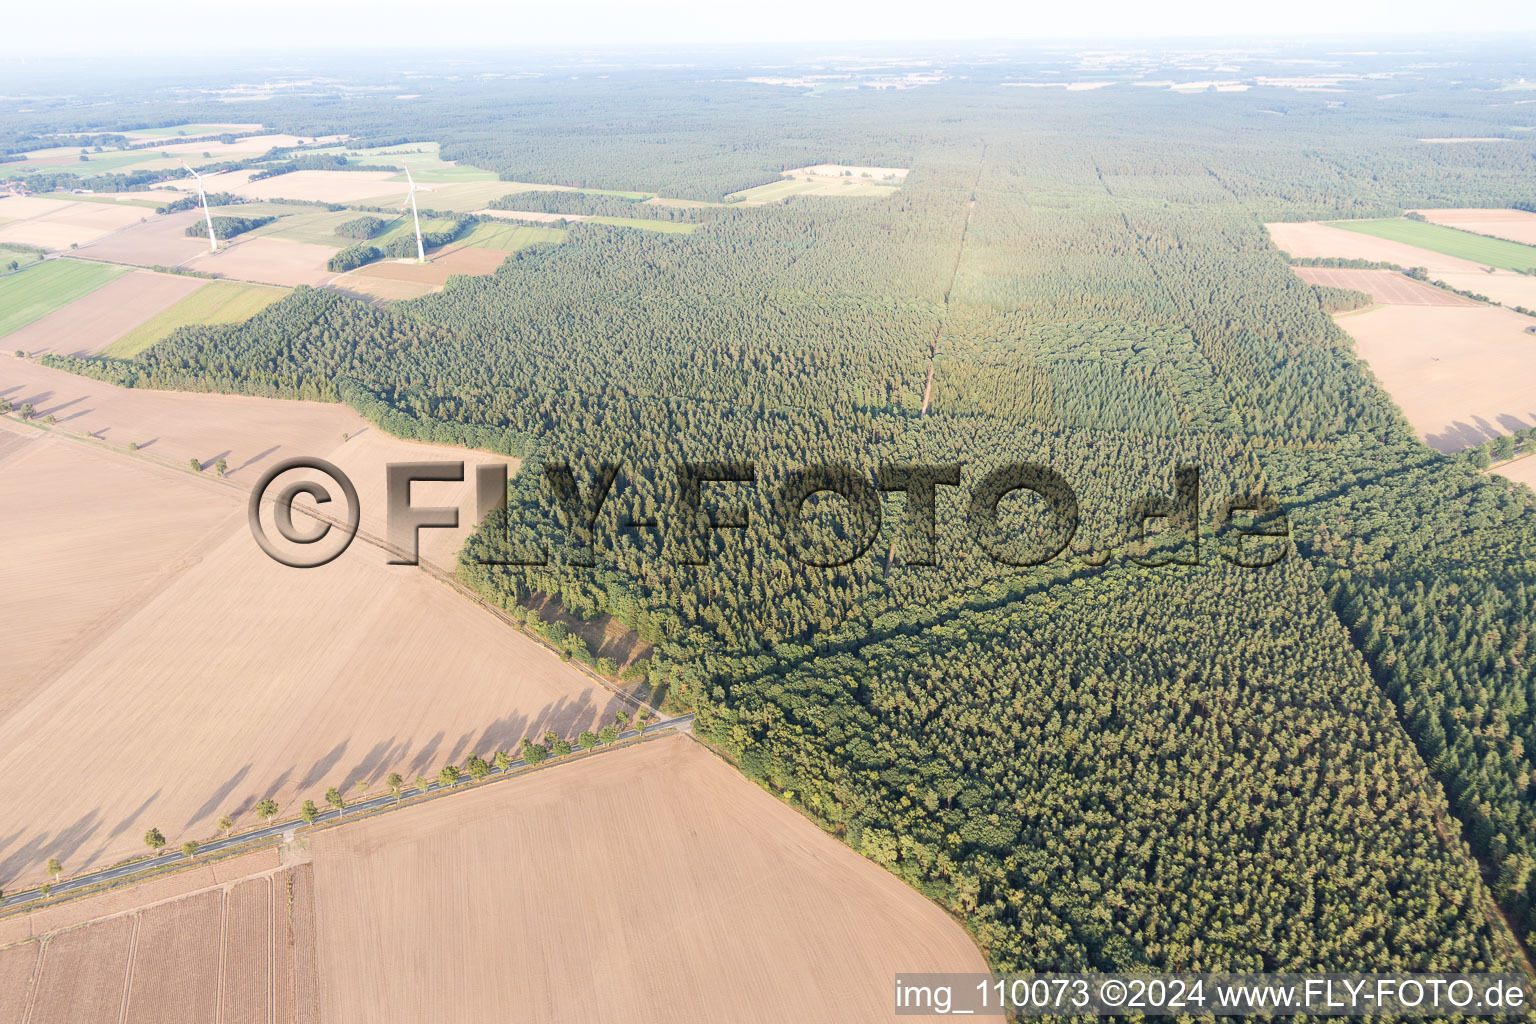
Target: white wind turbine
213, 241
421, 252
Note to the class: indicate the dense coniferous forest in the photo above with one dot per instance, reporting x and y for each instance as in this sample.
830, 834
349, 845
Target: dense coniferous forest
1324, 762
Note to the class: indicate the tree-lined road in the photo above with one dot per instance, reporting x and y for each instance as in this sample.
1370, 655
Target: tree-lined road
167, 862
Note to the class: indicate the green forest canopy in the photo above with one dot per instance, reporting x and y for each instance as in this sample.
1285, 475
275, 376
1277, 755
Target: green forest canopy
1195, 767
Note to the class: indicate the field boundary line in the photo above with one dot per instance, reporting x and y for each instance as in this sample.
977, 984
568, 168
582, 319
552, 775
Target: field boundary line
133, 949
218, 999
34, 982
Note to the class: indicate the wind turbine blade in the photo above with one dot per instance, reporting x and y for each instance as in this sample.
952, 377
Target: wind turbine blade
408, 175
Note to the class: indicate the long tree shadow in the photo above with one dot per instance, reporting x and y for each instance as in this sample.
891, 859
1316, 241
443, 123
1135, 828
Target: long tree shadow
211, 805
63, 844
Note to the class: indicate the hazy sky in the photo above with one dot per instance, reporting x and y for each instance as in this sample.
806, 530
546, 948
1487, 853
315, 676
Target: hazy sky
127, 28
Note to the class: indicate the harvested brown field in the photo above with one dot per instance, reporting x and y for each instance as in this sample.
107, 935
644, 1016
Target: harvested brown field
1312, 240
14, 207
1521, 471
247, 953
70, 223
464, 260
1387, 286
1514, 225
417, 677
654, 878
267, 261
175, 973
162, 242
1503, 286
1461, 375
248, 432
17, 965
129, 898
242, 147
325, 186
90, 323
82, 582
533, 215
302, 939
183, 950
83, 974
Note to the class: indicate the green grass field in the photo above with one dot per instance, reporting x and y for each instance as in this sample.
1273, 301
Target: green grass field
510, 237
1490, 252
218, 302
308, 224
404, 226
34, 293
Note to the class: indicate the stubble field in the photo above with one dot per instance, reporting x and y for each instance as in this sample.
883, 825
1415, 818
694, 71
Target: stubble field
197, 676
63, 223
1460, 375
653, 883
1384, 286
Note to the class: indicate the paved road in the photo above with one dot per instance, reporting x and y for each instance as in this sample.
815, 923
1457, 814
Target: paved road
169, 861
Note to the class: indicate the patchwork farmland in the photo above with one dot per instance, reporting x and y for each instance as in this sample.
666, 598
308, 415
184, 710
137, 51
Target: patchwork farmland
100, 318
1490, 252
209, 302
312, 930
234, 942
1459, 369
36, 292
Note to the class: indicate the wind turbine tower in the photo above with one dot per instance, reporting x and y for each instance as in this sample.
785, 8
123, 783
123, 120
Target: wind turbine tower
213, 241
421, 252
